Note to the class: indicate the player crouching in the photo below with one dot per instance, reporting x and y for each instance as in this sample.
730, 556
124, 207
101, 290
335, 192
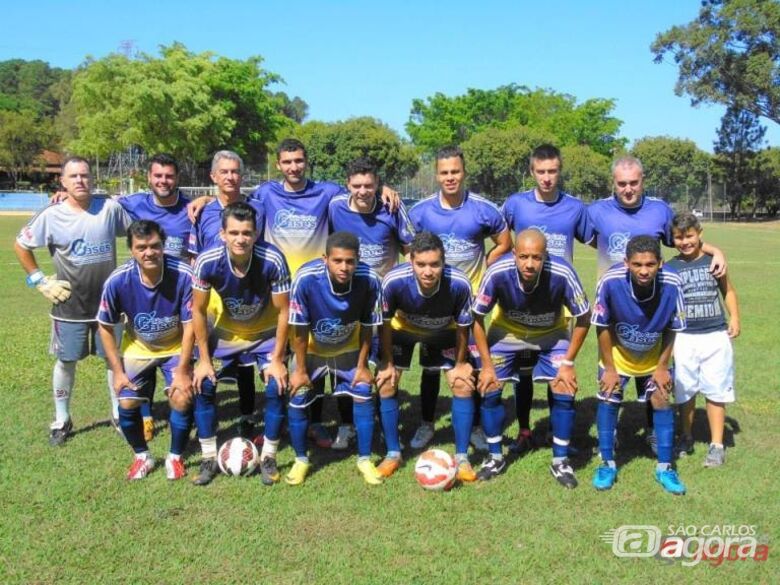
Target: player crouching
153, 292
638, 308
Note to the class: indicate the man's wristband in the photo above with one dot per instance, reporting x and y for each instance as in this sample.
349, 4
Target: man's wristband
569, 363
34, 278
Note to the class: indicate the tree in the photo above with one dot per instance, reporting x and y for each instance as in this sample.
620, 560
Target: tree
27, 86
330, 146
22, 139
675, 168
184, 103
740, 137
768, 183
729, 55
442, 120
585, 172
296, 109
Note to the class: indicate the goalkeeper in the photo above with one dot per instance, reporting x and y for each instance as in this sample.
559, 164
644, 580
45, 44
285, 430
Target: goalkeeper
80, 234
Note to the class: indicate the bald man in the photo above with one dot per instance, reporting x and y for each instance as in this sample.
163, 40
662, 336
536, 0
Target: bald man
528, 336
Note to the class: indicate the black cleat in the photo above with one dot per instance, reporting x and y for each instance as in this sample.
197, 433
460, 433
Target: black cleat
207, 472
564, 474
57, 437
491, 468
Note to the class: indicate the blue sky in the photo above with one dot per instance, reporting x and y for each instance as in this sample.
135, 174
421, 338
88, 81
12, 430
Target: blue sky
351, 58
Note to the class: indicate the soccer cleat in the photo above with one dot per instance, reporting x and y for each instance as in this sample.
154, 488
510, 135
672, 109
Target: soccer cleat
466, 473
490, 468
564, 474
319, 434
523, 444
58, 436
422, 436
716, 456
140, 468
651, 441
269, 472
389, 466
684, 445
344, 437
670, 481
478, 439
174, 468
148, 429
369, 472
297, 473
207, 472
605, 477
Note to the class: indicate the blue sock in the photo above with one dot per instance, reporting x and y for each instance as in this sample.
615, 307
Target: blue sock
180, 422
606, 422
462, 418
146, 408
363, 413
206, 410
562, 418
298, 423
524, 395
388, 414
493, 420
133, 428
663, 421
274, 410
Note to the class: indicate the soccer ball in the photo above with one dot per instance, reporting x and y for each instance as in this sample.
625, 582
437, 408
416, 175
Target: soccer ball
237, 456
435, 470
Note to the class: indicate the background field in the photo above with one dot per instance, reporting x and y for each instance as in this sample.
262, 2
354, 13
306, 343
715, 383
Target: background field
68, 515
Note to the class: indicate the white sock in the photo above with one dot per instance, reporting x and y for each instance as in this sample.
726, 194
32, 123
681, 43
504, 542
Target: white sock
112, 395
62, 387
269, 448
208, 447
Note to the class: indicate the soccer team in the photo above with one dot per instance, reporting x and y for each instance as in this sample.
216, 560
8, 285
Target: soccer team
305, 275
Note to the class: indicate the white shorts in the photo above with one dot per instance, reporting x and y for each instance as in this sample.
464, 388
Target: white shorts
703, 363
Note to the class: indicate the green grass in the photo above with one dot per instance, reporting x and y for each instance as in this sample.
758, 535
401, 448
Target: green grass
69, 515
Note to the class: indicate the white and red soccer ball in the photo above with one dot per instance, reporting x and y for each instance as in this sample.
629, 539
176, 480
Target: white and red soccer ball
238, 456
435, 470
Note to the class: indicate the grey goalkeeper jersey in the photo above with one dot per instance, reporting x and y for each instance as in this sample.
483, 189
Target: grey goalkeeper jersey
83, 247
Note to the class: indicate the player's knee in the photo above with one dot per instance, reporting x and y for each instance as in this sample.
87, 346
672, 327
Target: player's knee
659, 402
387, 391
361, 392
180, 401
129, 404
491, 399
272, 388
461, 388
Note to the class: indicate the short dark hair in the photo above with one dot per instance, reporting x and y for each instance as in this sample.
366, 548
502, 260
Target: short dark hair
164, 160
240, 211
545, 152
641, 244
290, 145
425, 242
685, 221
343, 240
74, 159
451, 151
361, 166
143, 229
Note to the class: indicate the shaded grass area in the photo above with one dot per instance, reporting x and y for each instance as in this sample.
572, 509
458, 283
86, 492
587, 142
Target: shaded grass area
69, 515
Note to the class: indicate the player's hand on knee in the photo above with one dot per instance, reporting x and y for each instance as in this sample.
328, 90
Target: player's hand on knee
565, 381
278, 371
204, 370
299, 382
609, 382
56, 291
387, 378
461, 378
362, 376
181, 385
121, 381
487, 381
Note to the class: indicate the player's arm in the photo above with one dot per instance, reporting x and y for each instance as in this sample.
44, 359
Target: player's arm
113, 359
277, 368
195, 206
565, 381
503, 243
732, 306
718, 266
390, 198
299, 379
205, 367
487, 376
182, 374
362, 372
386, 372
56, 291
610, 379
661, 376
462, 370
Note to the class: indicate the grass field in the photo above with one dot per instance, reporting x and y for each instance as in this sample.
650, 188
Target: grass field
70, 516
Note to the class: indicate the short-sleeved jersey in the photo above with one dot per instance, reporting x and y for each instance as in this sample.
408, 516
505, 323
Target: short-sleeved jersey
407, 309
204, 233
561, 221
247, 310
638, 325
155, 314
530, 314
334, 318
613, 225
297, 222
462, 230
82, 245
172, 218
381, 233
703, 308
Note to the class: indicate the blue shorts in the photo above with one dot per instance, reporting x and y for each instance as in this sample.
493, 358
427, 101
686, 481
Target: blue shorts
72, 341
512, 363
644, 387
143, 373
244, 353
437, 352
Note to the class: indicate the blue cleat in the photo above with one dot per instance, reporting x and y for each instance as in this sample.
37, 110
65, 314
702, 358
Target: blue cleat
605, 478
670, 481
